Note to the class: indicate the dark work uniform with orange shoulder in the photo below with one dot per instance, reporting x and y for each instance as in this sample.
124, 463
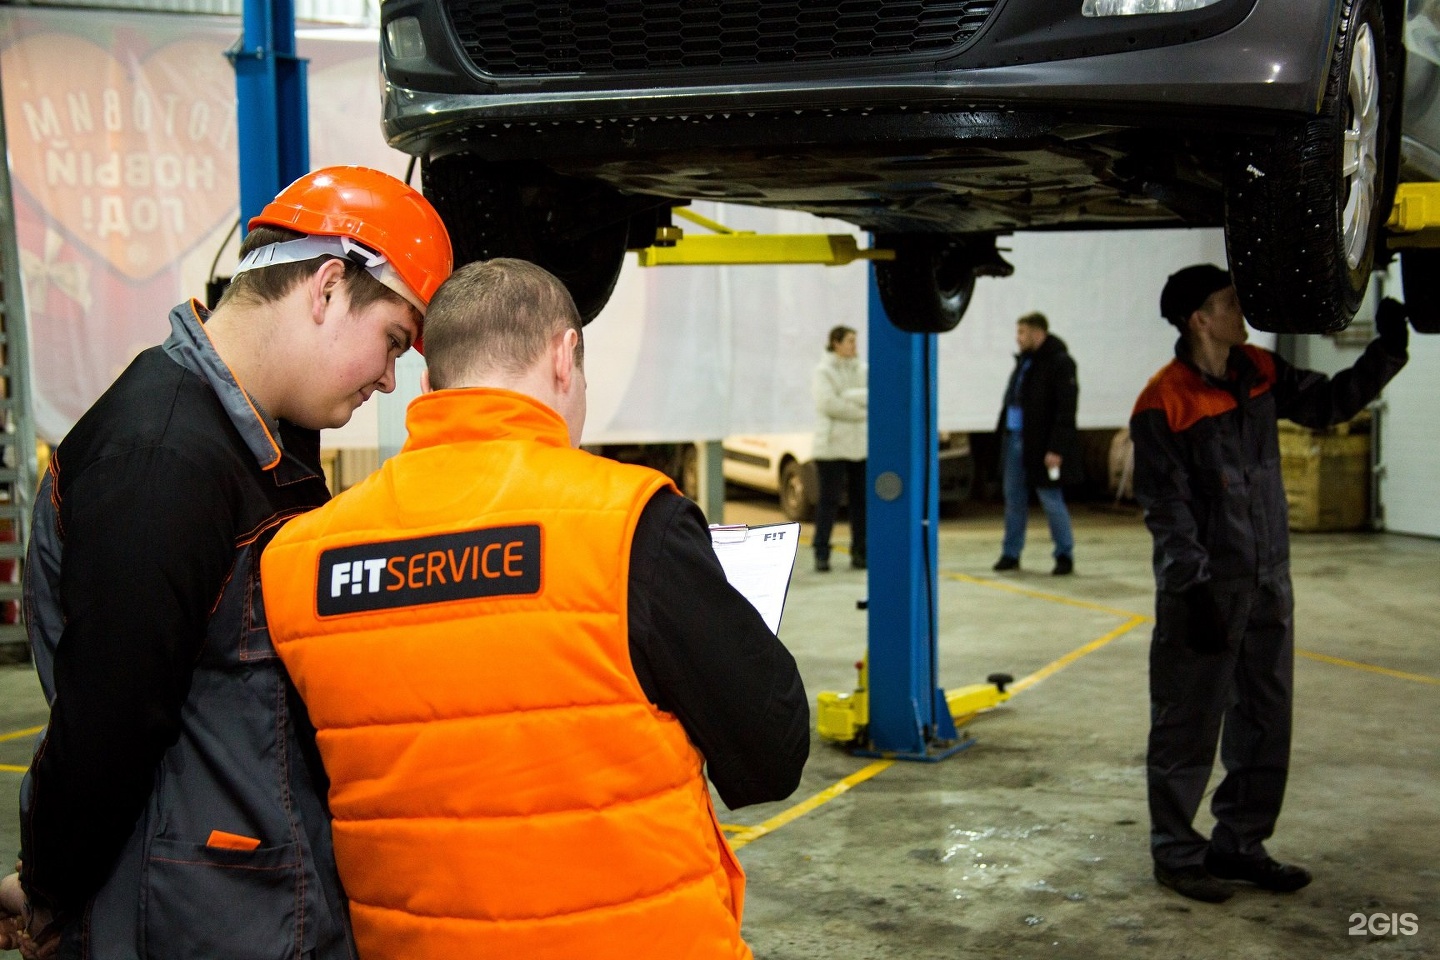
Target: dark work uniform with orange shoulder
1207, 472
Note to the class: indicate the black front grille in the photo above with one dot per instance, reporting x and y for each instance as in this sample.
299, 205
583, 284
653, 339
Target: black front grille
529, 38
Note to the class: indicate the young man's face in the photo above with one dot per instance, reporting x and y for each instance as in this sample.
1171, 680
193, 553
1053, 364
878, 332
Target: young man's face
358, 353
1222, 318
1027, 338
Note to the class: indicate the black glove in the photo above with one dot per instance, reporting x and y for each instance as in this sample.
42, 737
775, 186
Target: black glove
1391, 326
1203, 627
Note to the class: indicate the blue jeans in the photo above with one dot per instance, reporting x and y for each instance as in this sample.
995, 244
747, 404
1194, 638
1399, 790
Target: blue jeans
1017, 503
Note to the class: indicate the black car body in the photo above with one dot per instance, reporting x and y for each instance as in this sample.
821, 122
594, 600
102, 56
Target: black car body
564, 131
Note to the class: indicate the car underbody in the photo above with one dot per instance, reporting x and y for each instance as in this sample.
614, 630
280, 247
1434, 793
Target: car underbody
566, 132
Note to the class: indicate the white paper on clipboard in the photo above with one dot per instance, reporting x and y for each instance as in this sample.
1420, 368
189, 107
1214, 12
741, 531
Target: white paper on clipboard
758, 562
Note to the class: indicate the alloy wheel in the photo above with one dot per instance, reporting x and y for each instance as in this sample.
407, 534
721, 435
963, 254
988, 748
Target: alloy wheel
1360, 159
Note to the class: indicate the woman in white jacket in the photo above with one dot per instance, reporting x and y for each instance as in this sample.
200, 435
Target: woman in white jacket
841, 394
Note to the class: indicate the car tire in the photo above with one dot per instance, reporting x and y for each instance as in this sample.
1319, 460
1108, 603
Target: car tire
492, 210
795, 501
928, 286
1420, 276
1301, 223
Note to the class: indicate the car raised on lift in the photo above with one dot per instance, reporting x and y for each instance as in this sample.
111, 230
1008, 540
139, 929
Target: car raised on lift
566, 131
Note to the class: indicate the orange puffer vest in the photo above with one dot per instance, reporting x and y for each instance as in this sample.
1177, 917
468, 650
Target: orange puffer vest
500, 783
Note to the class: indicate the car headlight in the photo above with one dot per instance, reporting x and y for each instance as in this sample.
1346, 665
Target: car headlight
1129, 8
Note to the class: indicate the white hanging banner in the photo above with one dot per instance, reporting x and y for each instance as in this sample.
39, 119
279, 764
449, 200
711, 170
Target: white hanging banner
121, 130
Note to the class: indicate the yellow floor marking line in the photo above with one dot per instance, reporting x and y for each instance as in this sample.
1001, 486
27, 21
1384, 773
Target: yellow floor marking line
1055, 666
740, 836
1385, 671
17, 734
1041, 595
748, 834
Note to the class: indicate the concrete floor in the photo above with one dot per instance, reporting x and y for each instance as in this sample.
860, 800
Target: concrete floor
1033, 843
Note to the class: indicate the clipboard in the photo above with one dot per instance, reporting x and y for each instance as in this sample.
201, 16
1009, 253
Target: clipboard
758, 562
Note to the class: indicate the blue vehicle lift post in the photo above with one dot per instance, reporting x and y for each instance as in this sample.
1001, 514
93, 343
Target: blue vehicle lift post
272, 109
909, 717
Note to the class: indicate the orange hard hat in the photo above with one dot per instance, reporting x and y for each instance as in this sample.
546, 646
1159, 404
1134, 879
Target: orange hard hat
381, 212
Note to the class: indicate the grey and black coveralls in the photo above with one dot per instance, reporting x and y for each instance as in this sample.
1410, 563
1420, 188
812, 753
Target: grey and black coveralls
1207, 472
171, 717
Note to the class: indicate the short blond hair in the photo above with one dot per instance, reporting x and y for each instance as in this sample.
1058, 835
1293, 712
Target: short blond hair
496, 316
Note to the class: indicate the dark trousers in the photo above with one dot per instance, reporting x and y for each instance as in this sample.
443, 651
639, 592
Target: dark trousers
835, 476
1242, 685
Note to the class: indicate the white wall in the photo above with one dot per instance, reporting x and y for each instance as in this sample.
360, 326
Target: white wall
701, 352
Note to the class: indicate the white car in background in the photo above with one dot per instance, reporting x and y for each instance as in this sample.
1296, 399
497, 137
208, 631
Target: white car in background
781, 463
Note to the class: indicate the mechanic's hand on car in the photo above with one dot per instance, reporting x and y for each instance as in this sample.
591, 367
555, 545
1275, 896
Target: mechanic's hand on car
1391, 326
1205, 627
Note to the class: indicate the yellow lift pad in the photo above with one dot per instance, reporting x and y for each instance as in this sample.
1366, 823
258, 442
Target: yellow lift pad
1415, 218
843, 717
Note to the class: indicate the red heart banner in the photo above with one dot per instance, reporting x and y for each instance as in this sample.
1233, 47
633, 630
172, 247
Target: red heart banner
129, 150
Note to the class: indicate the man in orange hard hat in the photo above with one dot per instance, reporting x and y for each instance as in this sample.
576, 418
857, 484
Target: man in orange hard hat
176, 805
564, 663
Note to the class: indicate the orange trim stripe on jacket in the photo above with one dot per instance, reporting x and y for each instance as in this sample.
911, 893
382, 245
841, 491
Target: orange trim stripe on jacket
500, 783
1180, 390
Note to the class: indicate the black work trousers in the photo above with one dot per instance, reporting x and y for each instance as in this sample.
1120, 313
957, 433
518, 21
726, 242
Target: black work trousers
1240, 683
835, 476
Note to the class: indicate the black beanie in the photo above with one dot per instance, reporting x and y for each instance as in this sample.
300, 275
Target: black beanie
1187, 290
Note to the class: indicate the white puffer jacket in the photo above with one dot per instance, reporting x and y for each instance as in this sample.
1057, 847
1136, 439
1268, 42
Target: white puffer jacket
840, 388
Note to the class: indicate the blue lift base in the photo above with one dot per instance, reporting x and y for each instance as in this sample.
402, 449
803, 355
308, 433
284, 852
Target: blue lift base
935, 751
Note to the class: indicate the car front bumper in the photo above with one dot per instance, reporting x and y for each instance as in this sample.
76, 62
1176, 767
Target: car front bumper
1274, 59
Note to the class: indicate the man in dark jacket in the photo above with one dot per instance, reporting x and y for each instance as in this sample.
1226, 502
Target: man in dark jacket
1039, 447
176, 805
1207, 472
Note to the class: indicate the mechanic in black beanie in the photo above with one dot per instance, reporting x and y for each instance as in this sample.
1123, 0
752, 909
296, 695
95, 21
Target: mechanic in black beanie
1207, 472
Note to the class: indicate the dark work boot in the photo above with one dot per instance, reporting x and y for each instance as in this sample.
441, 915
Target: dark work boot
822, 564
1007, 563
1064, 565
1265, 872
1194, 882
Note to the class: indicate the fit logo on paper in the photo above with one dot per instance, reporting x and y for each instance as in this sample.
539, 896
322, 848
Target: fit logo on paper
493, 562
131, 151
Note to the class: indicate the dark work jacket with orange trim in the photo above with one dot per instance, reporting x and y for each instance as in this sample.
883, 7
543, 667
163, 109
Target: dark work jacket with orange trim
1207, 457
170, 714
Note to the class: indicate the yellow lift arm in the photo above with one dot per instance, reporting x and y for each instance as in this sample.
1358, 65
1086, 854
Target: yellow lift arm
1414, 222
727, 247
1415, 218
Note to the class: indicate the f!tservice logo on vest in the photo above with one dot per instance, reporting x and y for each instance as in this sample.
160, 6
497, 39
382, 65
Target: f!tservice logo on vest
494, 562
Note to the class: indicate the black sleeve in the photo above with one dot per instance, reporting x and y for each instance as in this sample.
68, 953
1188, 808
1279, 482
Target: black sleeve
1314, 400
703, 653
148, 542
1162, 485
1064, 438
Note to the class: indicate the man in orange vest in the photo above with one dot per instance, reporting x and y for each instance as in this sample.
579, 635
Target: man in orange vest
522, 660
176, 806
